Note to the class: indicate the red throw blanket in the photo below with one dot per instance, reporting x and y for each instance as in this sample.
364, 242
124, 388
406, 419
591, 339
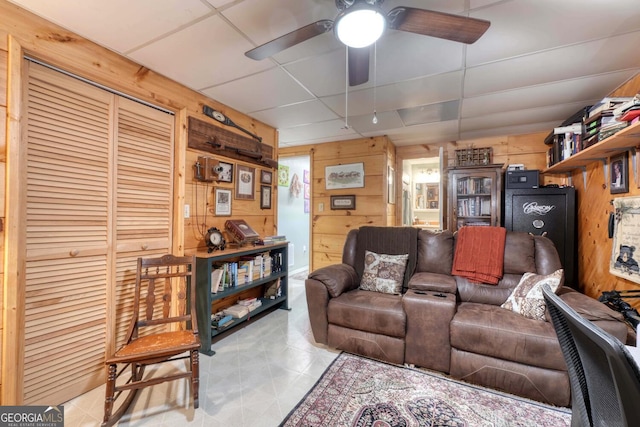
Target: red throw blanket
480, 254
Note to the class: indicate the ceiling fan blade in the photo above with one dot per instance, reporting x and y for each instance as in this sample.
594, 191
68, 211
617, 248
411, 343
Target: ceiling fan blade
291, 39
437, 24
358, 65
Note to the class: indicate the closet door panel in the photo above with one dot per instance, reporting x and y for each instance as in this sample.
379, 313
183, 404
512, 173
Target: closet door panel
68, 146
144, 197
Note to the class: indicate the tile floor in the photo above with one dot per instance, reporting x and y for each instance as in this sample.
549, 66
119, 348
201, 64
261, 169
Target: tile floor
258, 374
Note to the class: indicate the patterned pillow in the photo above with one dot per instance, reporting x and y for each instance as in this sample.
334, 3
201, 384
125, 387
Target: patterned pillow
383, 273
527, 299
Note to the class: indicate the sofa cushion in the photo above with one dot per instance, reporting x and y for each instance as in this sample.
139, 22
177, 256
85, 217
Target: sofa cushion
383, 273
526, 298
435, 282
387, 240
435, 251
338, 278
519, 253
368, 311
493, 331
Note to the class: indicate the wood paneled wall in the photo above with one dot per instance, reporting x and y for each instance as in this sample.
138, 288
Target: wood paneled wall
51, 44
330, 227
3, 164
594, 206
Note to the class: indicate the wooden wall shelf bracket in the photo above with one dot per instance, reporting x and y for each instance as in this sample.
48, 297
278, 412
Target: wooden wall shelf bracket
208, 137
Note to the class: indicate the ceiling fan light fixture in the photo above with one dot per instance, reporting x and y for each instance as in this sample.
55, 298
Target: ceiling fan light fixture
361, 25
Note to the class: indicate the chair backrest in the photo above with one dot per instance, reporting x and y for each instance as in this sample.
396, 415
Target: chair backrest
164, 294
605, 380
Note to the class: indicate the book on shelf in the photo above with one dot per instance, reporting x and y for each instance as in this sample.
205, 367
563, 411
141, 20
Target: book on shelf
216, 278
608, 104
236, 311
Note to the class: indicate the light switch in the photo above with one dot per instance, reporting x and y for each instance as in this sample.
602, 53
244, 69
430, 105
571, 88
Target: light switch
187, 211
320, 207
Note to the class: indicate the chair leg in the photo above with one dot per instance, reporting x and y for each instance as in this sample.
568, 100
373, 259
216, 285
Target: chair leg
111, 416
109, 394
195, 377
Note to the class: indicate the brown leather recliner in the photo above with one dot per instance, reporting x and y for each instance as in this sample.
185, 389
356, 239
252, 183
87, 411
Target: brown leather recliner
447, 323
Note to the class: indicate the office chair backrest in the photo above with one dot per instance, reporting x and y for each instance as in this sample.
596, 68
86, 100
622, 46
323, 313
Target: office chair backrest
605, 380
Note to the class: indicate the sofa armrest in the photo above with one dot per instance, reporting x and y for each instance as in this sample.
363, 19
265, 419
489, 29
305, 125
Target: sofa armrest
593, 310
434, 282
337, 278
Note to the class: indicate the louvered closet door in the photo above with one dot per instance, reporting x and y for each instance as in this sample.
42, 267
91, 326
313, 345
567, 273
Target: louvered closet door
144, 195
68, 152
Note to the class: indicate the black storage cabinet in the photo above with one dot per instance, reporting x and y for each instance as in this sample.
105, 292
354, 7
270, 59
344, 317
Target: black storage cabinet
551, 212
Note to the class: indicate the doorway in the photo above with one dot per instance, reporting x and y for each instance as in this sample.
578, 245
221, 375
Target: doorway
294, 193
423, 196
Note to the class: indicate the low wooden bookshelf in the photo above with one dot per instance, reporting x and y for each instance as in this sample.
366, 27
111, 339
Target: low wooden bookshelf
208, 302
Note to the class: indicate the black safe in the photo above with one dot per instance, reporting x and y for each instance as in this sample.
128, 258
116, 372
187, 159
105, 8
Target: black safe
548, 211
522, 179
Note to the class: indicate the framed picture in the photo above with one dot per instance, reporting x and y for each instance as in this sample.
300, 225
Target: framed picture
283, 175
307, 191
343, 202
344, 176
619, 182
625, 239
245, 177
223, 201
226, 175
266, 177
306, 176
265, 197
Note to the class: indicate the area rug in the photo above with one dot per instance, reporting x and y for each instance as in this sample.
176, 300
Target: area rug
358, 392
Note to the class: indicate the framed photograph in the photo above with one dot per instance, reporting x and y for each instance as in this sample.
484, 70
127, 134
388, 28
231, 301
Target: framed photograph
265, 197
245, 178
266, 177
625, 239
223, 202
227, 172
343, 202
344, 176
619, 182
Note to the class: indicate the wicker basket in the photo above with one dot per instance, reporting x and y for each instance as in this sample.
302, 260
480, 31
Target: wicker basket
474, 157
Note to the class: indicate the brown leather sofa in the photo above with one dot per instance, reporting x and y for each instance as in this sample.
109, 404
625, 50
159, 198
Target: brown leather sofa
447, 323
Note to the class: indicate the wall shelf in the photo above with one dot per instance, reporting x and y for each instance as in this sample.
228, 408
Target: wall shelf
627, 138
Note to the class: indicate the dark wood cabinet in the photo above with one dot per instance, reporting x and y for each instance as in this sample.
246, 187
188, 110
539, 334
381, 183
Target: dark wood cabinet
475, 196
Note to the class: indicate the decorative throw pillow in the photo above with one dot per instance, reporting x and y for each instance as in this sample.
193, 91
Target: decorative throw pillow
527, 299
383, 273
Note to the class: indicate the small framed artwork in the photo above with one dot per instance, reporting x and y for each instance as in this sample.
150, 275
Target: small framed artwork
619, 182
245, 177
223, 202
226, 175
307, 191
265, 197
266, 177
343, 202
391, 185
344, 176
306, 176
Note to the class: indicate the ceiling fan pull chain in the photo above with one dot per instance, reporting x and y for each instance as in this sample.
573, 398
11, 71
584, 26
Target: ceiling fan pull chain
346, 88
375, 81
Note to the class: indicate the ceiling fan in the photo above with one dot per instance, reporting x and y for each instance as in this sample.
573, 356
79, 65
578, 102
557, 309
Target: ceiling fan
360, 23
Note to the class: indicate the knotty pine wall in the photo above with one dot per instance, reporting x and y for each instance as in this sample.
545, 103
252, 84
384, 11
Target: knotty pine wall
22, 33
594, 245
330, 227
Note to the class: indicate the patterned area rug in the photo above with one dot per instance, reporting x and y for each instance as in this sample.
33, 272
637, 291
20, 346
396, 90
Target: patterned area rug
359, 392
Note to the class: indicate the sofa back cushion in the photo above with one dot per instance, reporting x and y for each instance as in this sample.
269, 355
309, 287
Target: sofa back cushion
389, 241
435, 251
523, 253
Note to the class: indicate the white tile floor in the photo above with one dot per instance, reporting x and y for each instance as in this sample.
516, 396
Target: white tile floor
256, 377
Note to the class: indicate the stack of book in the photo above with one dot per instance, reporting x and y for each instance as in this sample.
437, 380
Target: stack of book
271, 240
250, 303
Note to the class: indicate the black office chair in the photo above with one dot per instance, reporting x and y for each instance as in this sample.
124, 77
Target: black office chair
605, 380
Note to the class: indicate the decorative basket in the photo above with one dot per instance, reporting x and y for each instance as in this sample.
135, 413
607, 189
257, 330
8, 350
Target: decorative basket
474, 156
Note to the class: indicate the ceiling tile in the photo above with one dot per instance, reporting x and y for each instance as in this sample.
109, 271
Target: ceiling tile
260, 91
316, 132
193, 57
596, 57
364, 124
425, 134
526, 26
431, 113
295, 114
584, 89
105, 23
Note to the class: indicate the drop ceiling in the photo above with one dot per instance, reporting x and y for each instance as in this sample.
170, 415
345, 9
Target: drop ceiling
539, 62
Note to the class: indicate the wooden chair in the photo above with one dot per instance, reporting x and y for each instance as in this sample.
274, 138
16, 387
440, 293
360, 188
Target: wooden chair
157, 333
